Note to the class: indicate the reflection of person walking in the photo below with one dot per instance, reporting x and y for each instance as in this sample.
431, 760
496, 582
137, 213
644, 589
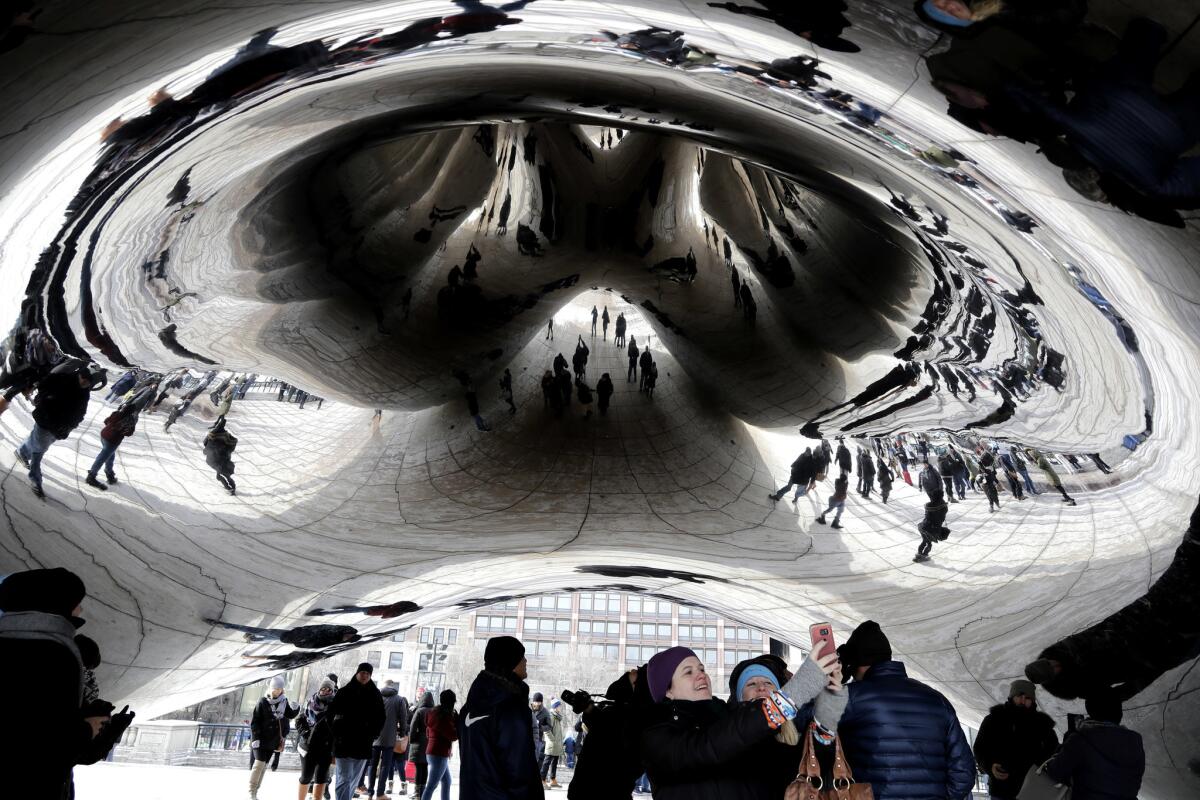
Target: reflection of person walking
644, 362
595, 314
604, 391
219, 445
931, 527
841, 487
506, 391
633, 360
737, 288
550, 329
1052, 476
473, 408
604, 320
118, 425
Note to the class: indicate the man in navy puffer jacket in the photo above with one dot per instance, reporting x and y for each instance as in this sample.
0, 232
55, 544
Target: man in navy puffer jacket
899, 735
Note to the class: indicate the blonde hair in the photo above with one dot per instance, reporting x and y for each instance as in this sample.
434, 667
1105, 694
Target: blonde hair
982, 9
788, 734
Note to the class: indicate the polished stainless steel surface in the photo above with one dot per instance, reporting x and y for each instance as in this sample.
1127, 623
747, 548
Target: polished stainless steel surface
383, 204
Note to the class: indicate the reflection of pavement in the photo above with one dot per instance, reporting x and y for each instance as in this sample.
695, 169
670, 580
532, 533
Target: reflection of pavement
159, 782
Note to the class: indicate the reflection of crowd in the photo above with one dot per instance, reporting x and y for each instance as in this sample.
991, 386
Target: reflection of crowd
1040, 72
945, 469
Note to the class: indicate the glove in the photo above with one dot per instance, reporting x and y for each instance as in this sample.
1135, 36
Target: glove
778, 710
785, 705
255, 744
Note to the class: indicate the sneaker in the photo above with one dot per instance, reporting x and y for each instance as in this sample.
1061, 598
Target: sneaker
37, 490
21, 457
1070, 502
920, 557
774, 499
111, 478
91, 481
554, 784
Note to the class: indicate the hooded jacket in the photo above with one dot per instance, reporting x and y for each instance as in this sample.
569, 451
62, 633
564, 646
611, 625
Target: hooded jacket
904, 739
61, 403
1015, 738
1101, 761
356, 714
393, 717
417, 733
496, 741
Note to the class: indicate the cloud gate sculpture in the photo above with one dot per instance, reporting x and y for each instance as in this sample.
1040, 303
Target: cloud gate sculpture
387, 208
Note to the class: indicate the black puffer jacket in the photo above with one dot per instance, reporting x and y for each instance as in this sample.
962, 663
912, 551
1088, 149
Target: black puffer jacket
60, 404
1015, 738
416, 731
694, 749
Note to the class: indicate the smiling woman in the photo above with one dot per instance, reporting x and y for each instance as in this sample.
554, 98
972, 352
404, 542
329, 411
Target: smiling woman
246, 211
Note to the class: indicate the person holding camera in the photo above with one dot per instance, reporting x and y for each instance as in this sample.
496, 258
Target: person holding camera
608, 763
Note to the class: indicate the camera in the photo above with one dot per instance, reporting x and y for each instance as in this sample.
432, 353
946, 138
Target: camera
579, 701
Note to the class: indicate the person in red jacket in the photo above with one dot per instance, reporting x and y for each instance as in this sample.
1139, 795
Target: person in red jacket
441, 733
118, 425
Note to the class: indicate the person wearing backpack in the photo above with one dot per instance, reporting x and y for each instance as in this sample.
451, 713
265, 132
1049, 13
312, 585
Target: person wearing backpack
117, 425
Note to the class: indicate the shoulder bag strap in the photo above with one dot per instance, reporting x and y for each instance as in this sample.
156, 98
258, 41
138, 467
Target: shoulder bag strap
810, 769
842, 776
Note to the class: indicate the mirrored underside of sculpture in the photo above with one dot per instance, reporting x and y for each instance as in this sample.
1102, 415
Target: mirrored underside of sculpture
394, 209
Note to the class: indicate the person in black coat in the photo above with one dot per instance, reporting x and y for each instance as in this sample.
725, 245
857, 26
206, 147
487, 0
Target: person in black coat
885, 478
1102, 760
417, 740
316, 740
61, 402
802, 472
1013, 737
47, 732
219, 445
608, 763
356, 714
604, 391
632, 352
843, 456
269, 728
496, 729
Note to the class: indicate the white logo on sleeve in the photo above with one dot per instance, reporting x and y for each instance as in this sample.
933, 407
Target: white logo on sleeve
469, 721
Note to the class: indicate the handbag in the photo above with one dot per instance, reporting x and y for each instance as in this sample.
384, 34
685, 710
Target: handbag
401, 745
1040, 786
808, 784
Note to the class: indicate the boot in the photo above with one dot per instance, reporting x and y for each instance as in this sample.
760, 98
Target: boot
821, 520
256, 778
418, 789
91, 481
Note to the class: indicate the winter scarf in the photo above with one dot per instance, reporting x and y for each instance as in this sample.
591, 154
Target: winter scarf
278, 705
316, 706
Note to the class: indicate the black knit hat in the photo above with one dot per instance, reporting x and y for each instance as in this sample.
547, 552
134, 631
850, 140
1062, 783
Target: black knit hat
365, 667
866, 647
502, 654
1104, 706
52, 591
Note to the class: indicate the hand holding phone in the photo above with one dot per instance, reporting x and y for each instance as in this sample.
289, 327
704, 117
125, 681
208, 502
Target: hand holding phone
821, 635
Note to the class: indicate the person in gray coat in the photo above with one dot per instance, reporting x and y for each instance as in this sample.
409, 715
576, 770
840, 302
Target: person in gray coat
395, 711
